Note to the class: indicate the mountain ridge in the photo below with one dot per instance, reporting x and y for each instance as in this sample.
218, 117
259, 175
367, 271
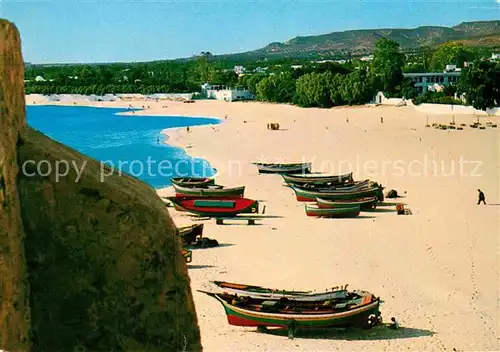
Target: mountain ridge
362, 41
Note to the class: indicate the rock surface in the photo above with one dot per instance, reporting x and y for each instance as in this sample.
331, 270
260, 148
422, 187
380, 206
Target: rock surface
14, 309
103, 258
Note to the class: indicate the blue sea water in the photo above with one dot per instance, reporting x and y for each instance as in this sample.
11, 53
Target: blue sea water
130, 143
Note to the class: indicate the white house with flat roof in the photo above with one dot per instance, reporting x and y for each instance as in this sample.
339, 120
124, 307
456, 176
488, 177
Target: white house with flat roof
225, 93
426, 81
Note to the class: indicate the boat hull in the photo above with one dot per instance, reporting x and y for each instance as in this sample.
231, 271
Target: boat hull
258, 292
356, 317
345, 212
193, 181
304, 195
319, 180
303, 168
364, 204
217, 207
219, 193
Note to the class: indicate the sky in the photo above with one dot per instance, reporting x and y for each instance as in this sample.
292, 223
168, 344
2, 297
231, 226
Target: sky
77, 31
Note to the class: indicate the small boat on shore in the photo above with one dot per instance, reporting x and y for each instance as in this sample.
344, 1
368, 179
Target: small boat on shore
290, 168
191, 233
364, 203
210, 191
342, 212
317, 179
217, 207
193, 181
310, 195
357, 309
343, 187
274, 294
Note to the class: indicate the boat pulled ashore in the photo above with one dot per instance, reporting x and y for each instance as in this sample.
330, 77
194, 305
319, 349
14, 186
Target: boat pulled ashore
216, 207
356, 309
317, 179
274, 294
193, 181
283, 168
210, 191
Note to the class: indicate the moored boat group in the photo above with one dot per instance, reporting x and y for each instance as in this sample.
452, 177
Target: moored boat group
334, 196
325, 196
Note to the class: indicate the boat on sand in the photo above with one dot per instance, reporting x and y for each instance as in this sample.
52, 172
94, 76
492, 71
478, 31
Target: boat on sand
216, 207
342, 212
273, 294
211, 191
193, 181
356, 309
282, 168
364, 203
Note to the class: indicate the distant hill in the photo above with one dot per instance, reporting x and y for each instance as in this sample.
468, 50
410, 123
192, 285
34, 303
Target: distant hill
359, 42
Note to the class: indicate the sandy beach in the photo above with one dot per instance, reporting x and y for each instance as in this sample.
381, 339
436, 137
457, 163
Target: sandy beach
437, 270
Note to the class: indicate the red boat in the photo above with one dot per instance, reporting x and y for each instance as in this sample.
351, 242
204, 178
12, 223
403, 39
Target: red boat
217, 207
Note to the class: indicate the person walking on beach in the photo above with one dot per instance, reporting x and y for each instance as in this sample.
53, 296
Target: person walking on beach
394, 324
381, 120
481, 198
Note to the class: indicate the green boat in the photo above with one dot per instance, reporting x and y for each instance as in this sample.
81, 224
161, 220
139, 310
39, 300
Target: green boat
310, 195
215, 191
357, 309
316, 179
340, 212
364, 203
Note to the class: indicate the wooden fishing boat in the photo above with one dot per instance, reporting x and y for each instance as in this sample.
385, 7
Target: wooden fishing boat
190, 234
310, 195
364, 203
344, 212
217, 207
348, 186
215, 191
356, 310
273, 168
274, 294
193, 181
317, 179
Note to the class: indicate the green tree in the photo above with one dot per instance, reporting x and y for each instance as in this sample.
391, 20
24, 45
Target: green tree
356, 88
313, 89
449, 54
481, 85
388, 63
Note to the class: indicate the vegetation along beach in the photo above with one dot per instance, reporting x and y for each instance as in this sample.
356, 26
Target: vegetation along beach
330, 192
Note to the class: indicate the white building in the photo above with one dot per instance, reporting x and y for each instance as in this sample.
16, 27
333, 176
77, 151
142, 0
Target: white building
39, 79
495, 57
226, 94
452, 68
296, 67
367, 58
239, 70
427, 81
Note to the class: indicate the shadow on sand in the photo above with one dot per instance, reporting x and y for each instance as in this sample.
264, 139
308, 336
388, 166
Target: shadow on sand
377, 333
194, 248
362, 217
381, 210
389, 204
189, 266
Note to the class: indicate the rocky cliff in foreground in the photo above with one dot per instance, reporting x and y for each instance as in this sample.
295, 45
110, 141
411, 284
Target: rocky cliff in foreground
102, 259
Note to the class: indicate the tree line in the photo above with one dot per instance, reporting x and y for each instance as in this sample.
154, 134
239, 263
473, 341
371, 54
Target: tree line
307, 84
